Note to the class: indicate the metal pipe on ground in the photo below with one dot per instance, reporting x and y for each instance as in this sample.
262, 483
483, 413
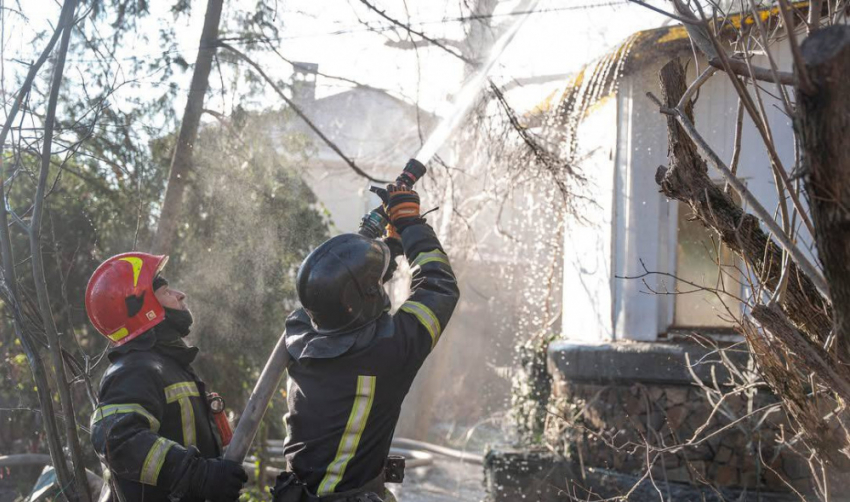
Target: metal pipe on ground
421, 446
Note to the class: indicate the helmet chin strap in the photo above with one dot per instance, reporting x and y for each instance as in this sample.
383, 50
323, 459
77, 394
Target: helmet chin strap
387, 258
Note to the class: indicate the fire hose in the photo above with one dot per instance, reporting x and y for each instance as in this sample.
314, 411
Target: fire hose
417, 454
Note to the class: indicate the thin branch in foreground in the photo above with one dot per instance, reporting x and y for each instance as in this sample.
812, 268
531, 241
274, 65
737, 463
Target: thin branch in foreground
716, 50
354, 167
676, 17
736, 145
805, 83
80, 487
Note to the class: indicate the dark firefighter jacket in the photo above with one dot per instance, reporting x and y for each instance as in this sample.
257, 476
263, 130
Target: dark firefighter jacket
343, 408
152, 418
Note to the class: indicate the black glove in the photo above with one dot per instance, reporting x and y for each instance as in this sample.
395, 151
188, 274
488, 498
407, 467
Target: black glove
403, 207
217, 479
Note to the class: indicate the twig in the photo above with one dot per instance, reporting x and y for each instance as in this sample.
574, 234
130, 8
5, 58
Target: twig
805, 83
780, 188
409, 29
774, 70
80, 487
681, 19
736, 148
27, 85
695, 85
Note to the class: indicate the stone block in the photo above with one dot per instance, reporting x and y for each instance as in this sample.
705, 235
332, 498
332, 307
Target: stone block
723, 455
676, 416
726, 475
630, 362
677, 395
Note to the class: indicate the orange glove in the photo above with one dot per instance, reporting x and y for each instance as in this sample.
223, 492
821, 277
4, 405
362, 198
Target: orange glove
403, 207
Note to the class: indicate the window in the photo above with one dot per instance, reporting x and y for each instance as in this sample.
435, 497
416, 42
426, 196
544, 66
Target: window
702, 260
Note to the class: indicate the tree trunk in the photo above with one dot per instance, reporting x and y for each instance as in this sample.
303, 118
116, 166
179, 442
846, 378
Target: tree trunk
823, 122
181, 163
81, 483
686, 179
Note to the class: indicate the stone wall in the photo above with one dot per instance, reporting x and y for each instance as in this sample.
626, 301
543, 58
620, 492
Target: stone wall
541, 476
625, 408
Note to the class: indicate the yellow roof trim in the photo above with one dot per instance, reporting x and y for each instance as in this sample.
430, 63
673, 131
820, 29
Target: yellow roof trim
641, 44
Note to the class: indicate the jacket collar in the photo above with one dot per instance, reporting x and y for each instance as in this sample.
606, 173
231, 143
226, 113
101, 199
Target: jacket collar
161, 338
303, 342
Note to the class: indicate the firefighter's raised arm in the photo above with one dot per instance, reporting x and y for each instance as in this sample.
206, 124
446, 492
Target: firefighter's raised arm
434, 287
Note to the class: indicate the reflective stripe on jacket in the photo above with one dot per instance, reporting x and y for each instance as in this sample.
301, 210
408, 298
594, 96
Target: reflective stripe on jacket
152, 418
343, 410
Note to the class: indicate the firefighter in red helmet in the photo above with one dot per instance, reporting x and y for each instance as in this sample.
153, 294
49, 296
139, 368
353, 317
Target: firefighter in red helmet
153, 426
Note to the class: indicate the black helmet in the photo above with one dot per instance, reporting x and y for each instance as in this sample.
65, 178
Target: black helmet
340, 284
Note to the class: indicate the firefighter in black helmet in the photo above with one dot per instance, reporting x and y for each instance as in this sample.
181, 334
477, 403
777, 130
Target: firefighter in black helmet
353, 362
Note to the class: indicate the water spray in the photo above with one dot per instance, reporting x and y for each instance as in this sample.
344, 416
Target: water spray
279, 359
466, 97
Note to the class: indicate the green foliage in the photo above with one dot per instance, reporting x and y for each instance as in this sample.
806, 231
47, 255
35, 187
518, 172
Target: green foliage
249, 222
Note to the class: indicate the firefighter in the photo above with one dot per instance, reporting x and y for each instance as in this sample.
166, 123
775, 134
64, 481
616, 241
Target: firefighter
353, 362
153, 427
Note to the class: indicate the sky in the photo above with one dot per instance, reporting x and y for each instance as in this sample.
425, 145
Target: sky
347, 39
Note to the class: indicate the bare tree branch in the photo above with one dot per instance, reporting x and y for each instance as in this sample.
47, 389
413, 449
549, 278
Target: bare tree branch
763, 74
711, 46
805, 83
9, 281
687, 180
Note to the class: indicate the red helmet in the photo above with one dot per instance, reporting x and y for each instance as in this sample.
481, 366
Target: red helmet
119, 298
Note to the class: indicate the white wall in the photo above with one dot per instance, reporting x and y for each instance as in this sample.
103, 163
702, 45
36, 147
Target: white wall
587, 292
343, 193
641, 217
